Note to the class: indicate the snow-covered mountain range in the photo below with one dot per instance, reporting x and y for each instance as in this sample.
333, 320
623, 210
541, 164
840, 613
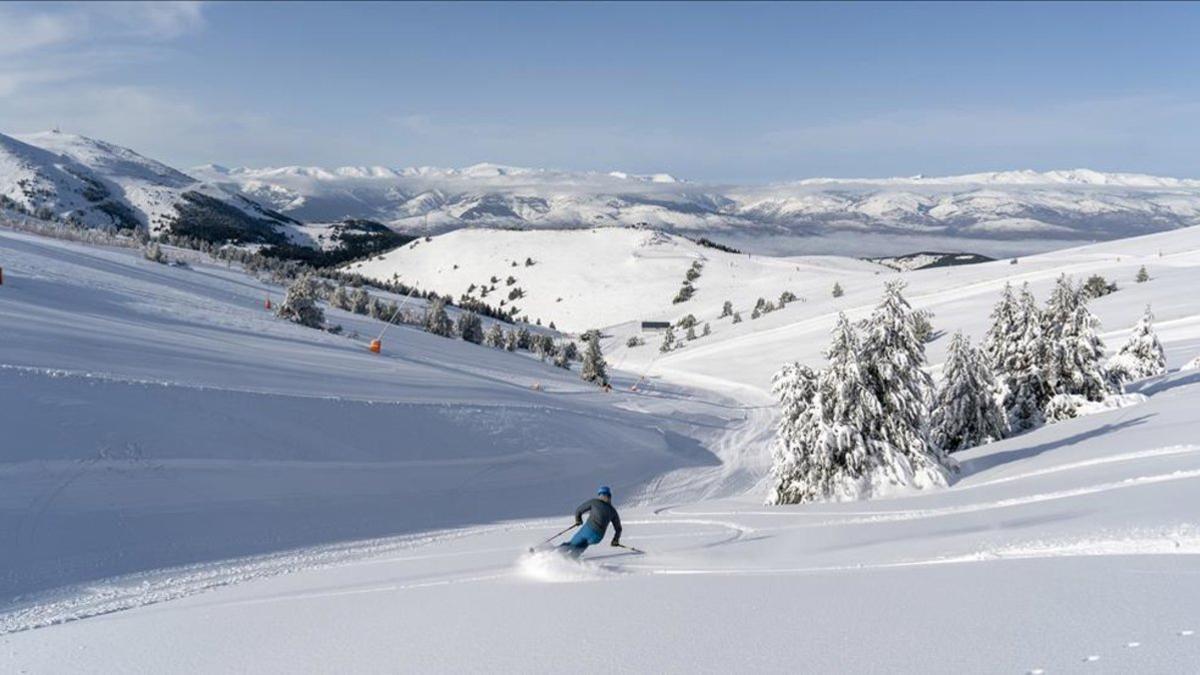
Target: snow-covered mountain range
996, 213
99, 184
61, 176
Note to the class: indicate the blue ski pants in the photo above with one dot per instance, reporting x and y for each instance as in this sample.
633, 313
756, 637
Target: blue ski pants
586, 536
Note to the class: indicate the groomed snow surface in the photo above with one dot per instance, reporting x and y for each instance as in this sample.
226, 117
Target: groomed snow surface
188, 484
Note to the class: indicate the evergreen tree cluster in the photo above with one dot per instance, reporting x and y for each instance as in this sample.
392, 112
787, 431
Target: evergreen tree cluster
873, 419
861, 426
687, 290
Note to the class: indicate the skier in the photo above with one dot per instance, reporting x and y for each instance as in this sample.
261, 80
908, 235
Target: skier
600, 513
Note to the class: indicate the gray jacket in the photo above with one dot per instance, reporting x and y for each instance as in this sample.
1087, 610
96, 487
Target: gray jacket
601, 513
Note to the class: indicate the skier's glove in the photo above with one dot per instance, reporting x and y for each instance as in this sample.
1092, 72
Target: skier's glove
578, 522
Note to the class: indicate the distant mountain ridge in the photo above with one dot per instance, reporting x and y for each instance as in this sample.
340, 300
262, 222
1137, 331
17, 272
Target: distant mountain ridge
57, 176
1004, 206
997, 213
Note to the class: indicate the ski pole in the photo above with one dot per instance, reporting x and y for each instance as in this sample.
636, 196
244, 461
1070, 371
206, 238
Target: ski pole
635, 550
558, 534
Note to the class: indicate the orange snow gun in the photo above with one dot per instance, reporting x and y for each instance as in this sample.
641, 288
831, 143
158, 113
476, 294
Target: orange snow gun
375, 347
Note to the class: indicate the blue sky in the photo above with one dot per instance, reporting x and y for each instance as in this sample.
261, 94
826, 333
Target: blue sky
715, 92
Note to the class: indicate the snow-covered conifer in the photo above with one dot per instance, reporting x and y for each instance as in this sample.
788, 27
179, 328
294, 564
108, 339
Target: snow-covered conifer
792, 481
726, 309
524, 338
300, 304
494, 337
561, 359
707, 329
594, 368
837, 290
668, 342
154, 253
737, 317
544, 346
470, 327
1142, 275
511, 341
1074, 351
437, 321
340, 298
359, 300
966, 410
571, 351
1140, 357
691, 333
1002, 337
1022, 354
894, 356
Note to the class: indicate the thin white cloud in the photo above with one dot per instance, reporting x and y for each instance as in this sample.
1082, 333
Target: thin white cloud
155, 20
22, 32
1095, 123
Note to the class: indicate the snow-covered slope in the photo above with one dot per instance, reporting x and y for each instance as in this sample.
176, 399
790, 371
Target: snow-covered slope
997, 213
584, 279
155, 415
166, 418
960, 297
79, 179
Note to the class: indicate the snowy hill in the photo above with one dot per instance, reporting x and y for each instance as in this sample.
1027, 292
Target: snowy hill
232, 432
66, 177
583, 279
95, 183
314, 501
999, 213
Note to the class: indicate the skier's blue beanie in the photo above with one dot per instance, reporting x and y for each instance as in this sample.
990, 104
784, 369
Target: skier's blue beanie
604, 491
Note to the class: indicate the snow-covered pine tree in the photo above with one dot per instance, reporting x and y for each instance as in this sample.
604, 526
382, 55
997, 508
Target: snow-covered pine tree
524, 338
691, 333
359, 300
1140, 357
494, 337
571, 351
544, 347
470, 327
594, 368
726, 309
1023, 353
707, 330
966, 410
511, 341
894, 356
837, 290
338, 298
561, 357
924, 325
1142, 275
437, 321
1075, 353
668, 342
737, 317
841, 458
796, 386
1002, 337
154, 253
300, 304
